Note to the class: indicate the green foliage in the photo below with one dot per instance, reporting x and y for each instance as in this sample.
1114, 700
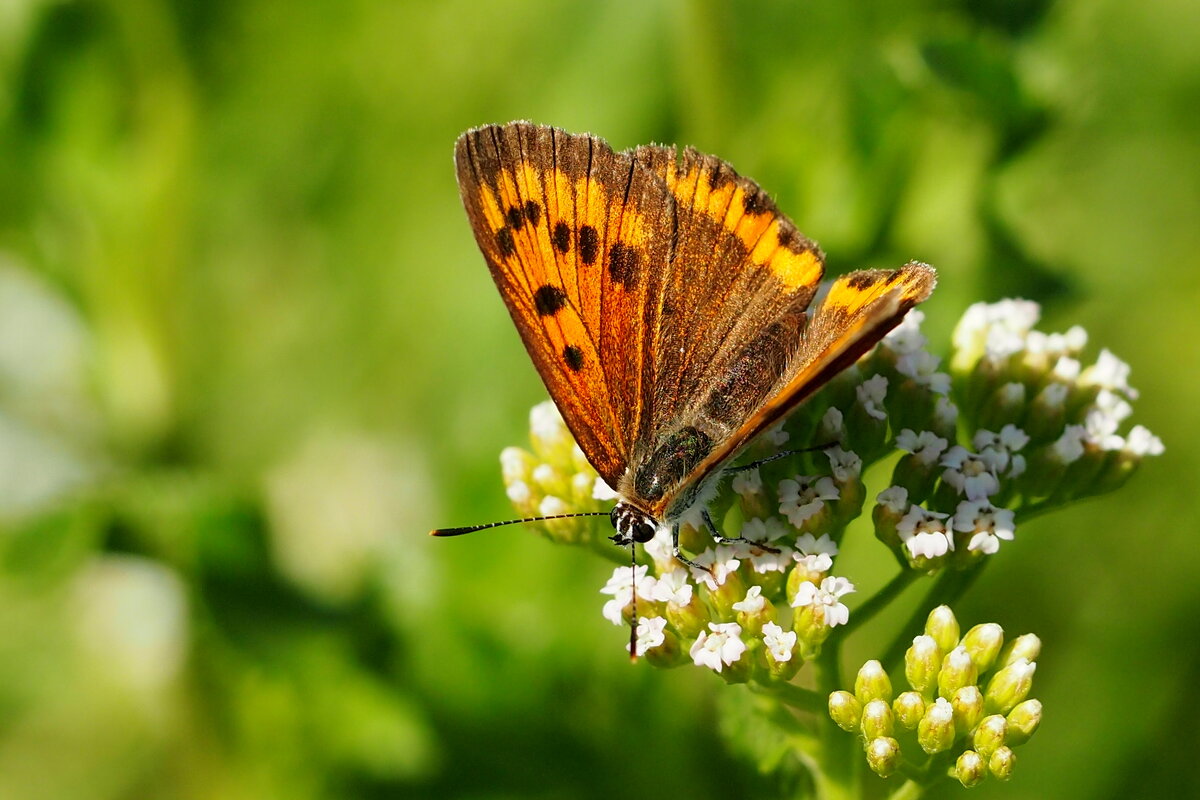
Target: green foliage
249, 355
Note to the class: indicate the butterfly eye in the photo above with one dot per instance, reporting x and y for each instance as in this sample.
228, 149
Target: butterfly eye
643, 531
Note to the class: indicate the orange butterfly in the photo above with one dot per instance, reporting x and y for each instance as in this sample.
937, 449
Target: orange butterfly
663, 299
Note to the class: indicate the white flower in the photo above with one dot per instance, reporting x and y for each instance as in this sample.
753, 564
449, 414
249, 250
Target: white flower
826, 598
760, 530
830, 427
845, 464
927, 446
1068, 448
996, 449
779, 644
514, 464
940, 712
602, 491
552, 506
661, 548
753, 603
894, 499
924, 533
803, 497
546, 424
673, 587
1109, 372
906, 337
988, 524
545, 476
809, 545
720, 562
765, 561
1066, 368
814, 563
921, 366
649, 633
620, 586
720, 648
968, 473
945, 413
1010, 316
1141, 442
518, 492
777, 435
748, 482
1104, 417
871, 393
1053, 395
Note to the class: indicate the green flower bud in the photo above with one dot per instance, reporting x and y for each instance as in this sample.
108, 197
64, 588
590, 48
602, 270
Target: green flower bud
922, 663
883, 756
1047, 412
668, 654
877, 720
845, 710
689, 620
754, 610
872, 683
1009, 686
968, 708
1001, 763
1005, 405
983, 642
958, 670
809, 625
1027, 646
891, 506
935, 732
990, 735
733, 590
970, 769
943, 627
1023, 721
909, 708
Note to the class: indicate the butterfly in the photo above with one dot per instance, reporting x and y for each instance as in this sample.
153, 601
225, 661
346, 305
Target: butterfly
664, 300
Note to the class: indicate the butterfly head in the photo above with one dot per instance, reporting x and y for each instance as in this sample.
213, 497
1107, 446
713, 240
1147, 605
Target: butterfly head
632, 524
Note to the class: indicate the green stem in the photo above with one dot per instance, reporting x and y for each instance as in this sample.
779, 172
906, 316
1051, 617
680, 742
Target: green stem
878, 601
837, 778
792, 695
950, 585
909, 790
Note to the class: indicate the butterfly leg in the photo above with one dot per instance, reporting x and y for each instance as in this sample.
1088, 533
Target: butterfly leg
777, 456
720, 539
679, 556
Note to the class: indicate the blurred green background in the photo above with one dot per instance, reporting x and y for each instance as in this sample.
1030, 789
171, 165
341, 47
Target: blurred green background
249, 355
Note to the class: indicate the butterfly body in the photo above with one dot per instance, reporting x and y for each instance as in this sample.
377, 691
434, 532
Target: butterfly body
664, 301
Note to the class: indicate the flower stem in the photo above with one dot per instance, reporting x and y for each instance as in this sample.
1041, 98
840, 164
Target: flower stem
792, 695
879, 601
838, 777
909, 790
949, 586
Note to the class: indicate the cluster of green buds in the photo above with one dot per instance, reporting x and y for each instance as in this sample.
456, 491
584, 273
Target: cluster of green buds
967, 708
1015, 426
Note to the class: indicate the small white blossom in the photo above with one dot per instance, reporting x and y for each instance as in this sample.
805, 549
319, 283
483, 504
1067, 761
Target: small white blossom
940, 712
720, 648
748, 482
906, 337
810, 545
760, 530
1109, 372
602, 491
720, 562
924, 533
927, 446
779, 643
620, 586
753, 602
1066, 368
945, 413
970, 474
830, 427
845, 464
1068, 448
988, 524
514, 464
803, 497
921, 366
894, 499
777, 435
1053, 395
518, 492
1141, 442
814, 563
546, 424
871, 393
649, 633
826, 598
765, 561
552, 506
673, 587
996, 449
661, 548
545, 476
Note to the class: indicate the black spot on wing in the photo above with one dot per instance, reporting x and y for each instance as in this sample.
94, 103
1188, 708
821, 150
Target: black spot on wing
533, 212
624, 265
562, 237
548, 299
863, 280
574, 357
515, 218
589, 244
504, 239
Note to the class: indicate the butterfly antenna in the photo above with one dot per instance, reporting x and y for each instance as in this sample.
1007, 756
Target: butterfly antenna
486, 525
633, 622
